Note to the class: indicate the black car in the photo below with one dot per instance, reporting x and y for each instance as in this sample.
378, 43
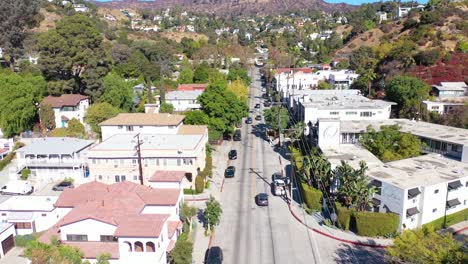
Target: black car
237, 135
248, 120
229, 172
261, 199
227, 136
214, 255
257, 106
276, 176
258, 117
63, 185
232, 154
267, 104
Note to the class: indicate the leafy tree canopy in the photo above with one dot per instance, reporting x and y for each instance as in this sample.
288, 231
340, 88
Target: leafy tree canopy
118, 92
98, 113
271, 117
47, 116
407, 92
239, 88
166, 108
19, 95
390, 144
186, 73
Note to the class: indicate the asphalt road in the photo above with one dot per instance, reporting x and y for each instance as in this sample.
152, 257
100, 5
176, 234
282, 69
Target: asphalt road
250, 234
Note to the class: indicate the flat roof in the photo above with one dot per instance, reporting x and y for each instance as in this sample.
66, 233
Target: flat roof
425, 170
419, 128
343, 101
29, 203
184, 95
451, 86
150, 142
144, 119
352, 154
55, 145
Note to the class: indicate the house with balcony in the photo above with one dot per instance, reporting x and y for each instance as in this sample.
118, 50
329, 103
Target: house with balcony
184, 100
420, 189
66, 107
131, 222
52, 159
450, 89
30, 214
116, 159
147, 123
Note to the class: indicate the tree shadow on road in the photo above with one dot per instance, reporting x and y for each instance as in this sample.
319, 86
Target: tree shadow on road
347, 253
201, 217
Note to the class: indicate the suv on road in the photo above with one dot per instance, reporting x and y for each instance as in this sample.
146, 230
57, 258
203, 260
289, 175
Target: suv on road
261, 199
276, 176
232, 154
248, 120
257, 106
279, 187
63, 185
258, 118
214, 255
237, 135
229, 172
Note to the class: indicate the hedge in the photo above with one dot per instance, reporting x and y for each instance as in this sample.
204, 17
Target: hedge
344, 216
312, 197
451, 220
376, 224
199, 184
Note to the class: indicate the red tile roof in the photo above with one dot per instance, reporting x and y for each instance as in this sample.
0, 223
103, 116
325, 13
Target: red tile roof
192, 87
172, 226
143, 225
93, 249
304, 70
171, 246
167, 176
4, 150
64, 100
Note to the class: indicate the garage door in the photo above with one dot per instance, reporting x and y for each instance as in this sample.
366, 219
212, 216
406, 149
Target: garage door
8, 244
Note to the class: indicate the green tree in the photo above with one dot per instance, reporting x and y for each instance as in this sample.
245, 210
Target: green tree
201, 73
390, 144
241, 73
212, 214
117, 92
98, 113
47, 116
73, 54
16, 17
317, 170
39, 252
103, 258
323, 85
239, 88
75, 128
182, 252
354, 188
407, 92
19, 95
188, 212
186, 73
271, 117
196, 117
426, 246
166, 108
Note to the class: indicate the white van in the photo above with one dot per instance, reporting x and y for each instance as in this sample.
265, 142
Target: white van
17, 188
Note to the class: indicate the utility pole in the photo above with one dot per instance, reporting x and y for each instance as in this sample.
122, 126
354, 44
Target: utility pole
138, 149
279, 124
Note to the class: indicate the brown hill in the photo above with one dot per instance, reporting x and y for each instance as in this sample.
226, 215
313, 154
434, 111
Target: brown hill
233, 7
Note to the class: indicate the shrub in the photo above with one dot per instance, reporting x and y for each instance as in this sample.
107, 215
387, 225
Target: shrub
427, 58
410, 23
312, 197
376, 224
199, 184
25, 174
344, 216
22, 241
451, 220
189, 191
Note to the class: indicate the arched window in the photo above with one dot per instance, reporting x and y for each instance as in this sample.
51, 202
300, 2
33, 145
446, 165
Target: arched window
138, 246
128, 246
150, 247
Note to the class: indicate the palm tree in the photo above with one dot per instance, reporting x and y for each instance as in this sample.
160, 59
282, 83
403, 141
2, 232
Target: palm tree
369, 75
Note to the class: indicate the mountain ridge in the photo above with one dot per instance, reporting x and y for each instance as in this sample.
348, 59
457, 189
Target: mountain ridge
232, 7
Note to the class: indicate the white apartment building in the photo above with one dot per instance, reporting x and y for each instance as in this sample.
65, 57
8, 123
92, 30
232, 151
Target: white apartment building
6, 146
311, 105
441, 107
145, 123
116, 158
131, 222
184, 100
342, 79
30, 214
66, 107
54, 158
420, 189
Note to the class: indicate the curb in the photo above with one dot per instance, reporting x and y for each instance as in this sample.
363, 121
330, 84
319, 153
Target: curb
334, 237
196, 200
222, 186
460, 230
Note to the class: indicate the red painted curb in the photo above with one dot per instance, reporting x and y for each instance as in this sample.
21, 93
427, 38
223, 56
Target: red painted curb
196, 200
222, 186
211, 240
334, 237
460, 230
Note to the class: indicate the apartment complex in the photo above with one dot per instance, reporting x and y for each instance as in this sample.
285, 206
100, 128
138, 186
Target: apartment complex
131, 222
66, 107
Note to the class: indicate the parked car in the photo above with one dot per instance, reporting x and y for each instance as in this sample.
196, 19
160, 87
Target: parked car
257, 106
232, 154
261, 199
17, 188
214, 255
63, 185
276, 176
267, 104
258, 118
279, 187
227, 136
229, 172
237, 135
248, 120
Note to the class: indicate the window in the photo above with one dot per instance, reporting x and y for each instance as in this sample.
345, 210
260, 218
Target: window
94, 161
412, 219
122, 162
77, 238
100, 177
108, 238
23, 225
157, 162
43, 214
435, 108
141, 126
188, 161
366, 114
3, 214
129, 128
116, 163
135, 177
466, 184
434, 210
334, 113
120, 127
464, 202
138, 246
436, 191
165, 162
117, 178
351, 113
150, 247
178, 162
